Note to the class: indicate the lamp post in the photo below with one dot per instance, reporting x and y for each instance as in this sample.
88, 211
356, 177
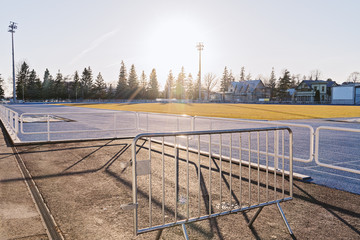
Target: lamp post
200, 47
12, 28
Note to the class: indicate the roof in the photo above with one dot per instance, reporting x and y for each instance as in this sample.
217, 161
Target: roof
329, 83
245, 86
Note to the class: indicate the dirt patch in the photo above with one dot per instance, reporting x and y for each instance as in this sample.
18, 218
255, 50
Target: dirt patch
85, 183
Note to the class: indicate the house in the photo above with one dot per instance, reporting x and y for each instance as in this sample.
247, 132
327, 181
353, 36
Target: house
346, 94
311, 91
247, 91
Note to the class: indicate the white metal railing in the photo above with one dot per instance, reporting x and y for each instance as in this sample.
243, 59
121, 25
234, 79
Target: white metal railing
10, 120
217, 187
317, 136
110, 121
211, 120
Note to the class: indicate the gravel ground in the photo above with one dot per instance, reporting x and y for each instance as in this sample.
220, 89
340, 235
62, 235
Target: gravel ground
84, 184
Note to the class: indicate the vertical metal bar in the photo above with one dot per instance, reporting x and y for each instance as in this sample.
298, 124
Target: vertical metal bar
150, 186
240, 171
176, 177
291, 162
16, 123
187, 177
258, 165
249, 142
199, 179
184, 231
48, 127
134, 185
277, 151
210, 197
163, 180
220, 173
283, 164
230, 171
275, 160
147, 122
267, 165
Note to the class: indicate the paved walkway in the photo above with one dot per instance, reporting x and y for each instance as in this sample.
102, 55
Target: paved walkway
19, 218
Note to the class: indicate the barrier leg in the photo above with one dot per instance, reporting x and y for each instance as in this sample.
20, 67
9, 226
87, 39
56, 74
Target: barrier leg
284, 218
254, 217
184, 231
159, 234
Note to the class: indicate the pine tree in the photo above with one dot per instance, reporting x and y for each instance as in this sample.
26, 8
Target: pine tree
122, 88
22, 78
133, 82
59, 86
190, 90
153, 85
99, 87
242, 74
76, 85
180, 83
169, 86
2, 93
248, 77
272, 84
110, 92
86, 83
225, 81
284, 85
34, 86
143, 86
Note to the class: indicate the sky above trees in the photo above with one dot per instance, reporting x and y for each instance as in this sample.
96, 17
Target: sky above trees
296, 35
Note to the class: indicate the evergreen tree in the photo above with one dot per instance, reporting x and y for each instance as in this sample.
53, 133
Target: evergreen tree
99, 87
110, 92
190, 90
122, 88
76, 85
225, 81
86, 82
143, 86
242, 74
169, 86
133, 83
272, 84
153, 85
2, 94
33, 87
22, 78
59, 86
180, 83
284, 85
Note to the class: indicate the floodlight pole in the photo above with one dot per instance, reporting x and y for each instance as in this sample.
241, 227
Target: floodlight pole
12, 28
200, 47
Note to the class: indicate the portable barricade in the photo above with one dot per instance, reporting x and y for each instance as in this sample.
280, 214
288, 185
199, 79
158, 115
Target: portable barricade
184, 177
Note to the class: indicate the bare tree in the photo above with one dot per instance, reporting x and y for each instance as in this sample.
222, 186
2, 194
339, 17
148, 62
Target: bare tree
210, 81
315, 74
354, 77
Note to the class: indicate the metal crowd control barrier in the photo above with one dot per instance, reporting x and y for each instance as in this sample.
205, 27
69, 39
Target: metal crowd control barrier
174, 187
317, 136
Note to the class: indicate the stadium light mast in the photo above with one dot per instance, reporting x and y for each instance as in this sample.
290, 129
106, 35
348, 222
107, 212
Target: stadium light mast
12, 28
200, 47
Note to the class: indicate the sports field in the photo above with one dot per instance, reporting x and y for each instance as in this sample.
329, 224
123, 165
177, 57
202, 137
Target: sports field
244, 111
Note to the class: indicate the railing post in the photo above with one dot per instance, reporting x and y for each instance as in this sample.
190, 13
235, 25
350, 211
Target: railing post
48, 127
16, 123
276, 149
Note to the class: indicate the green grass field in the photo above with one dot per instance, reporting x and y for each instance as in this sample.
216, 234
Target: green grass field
244, 111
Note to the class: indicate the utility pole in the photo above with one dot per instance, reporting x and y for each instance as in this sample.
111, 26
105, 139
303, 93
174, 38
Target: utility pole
12, 28
200, 47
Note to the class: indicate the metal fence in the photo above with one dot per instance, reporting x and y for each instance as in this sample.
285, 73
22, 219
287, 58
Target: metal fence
10, 120
174, 186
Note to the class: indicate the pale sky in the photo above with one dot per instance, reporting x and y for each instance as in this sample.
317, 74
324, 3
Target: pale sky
69, 35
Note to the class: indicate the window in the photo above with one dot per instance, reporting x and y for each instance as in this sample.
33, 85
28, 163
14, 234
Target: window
323, 88
315, 89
